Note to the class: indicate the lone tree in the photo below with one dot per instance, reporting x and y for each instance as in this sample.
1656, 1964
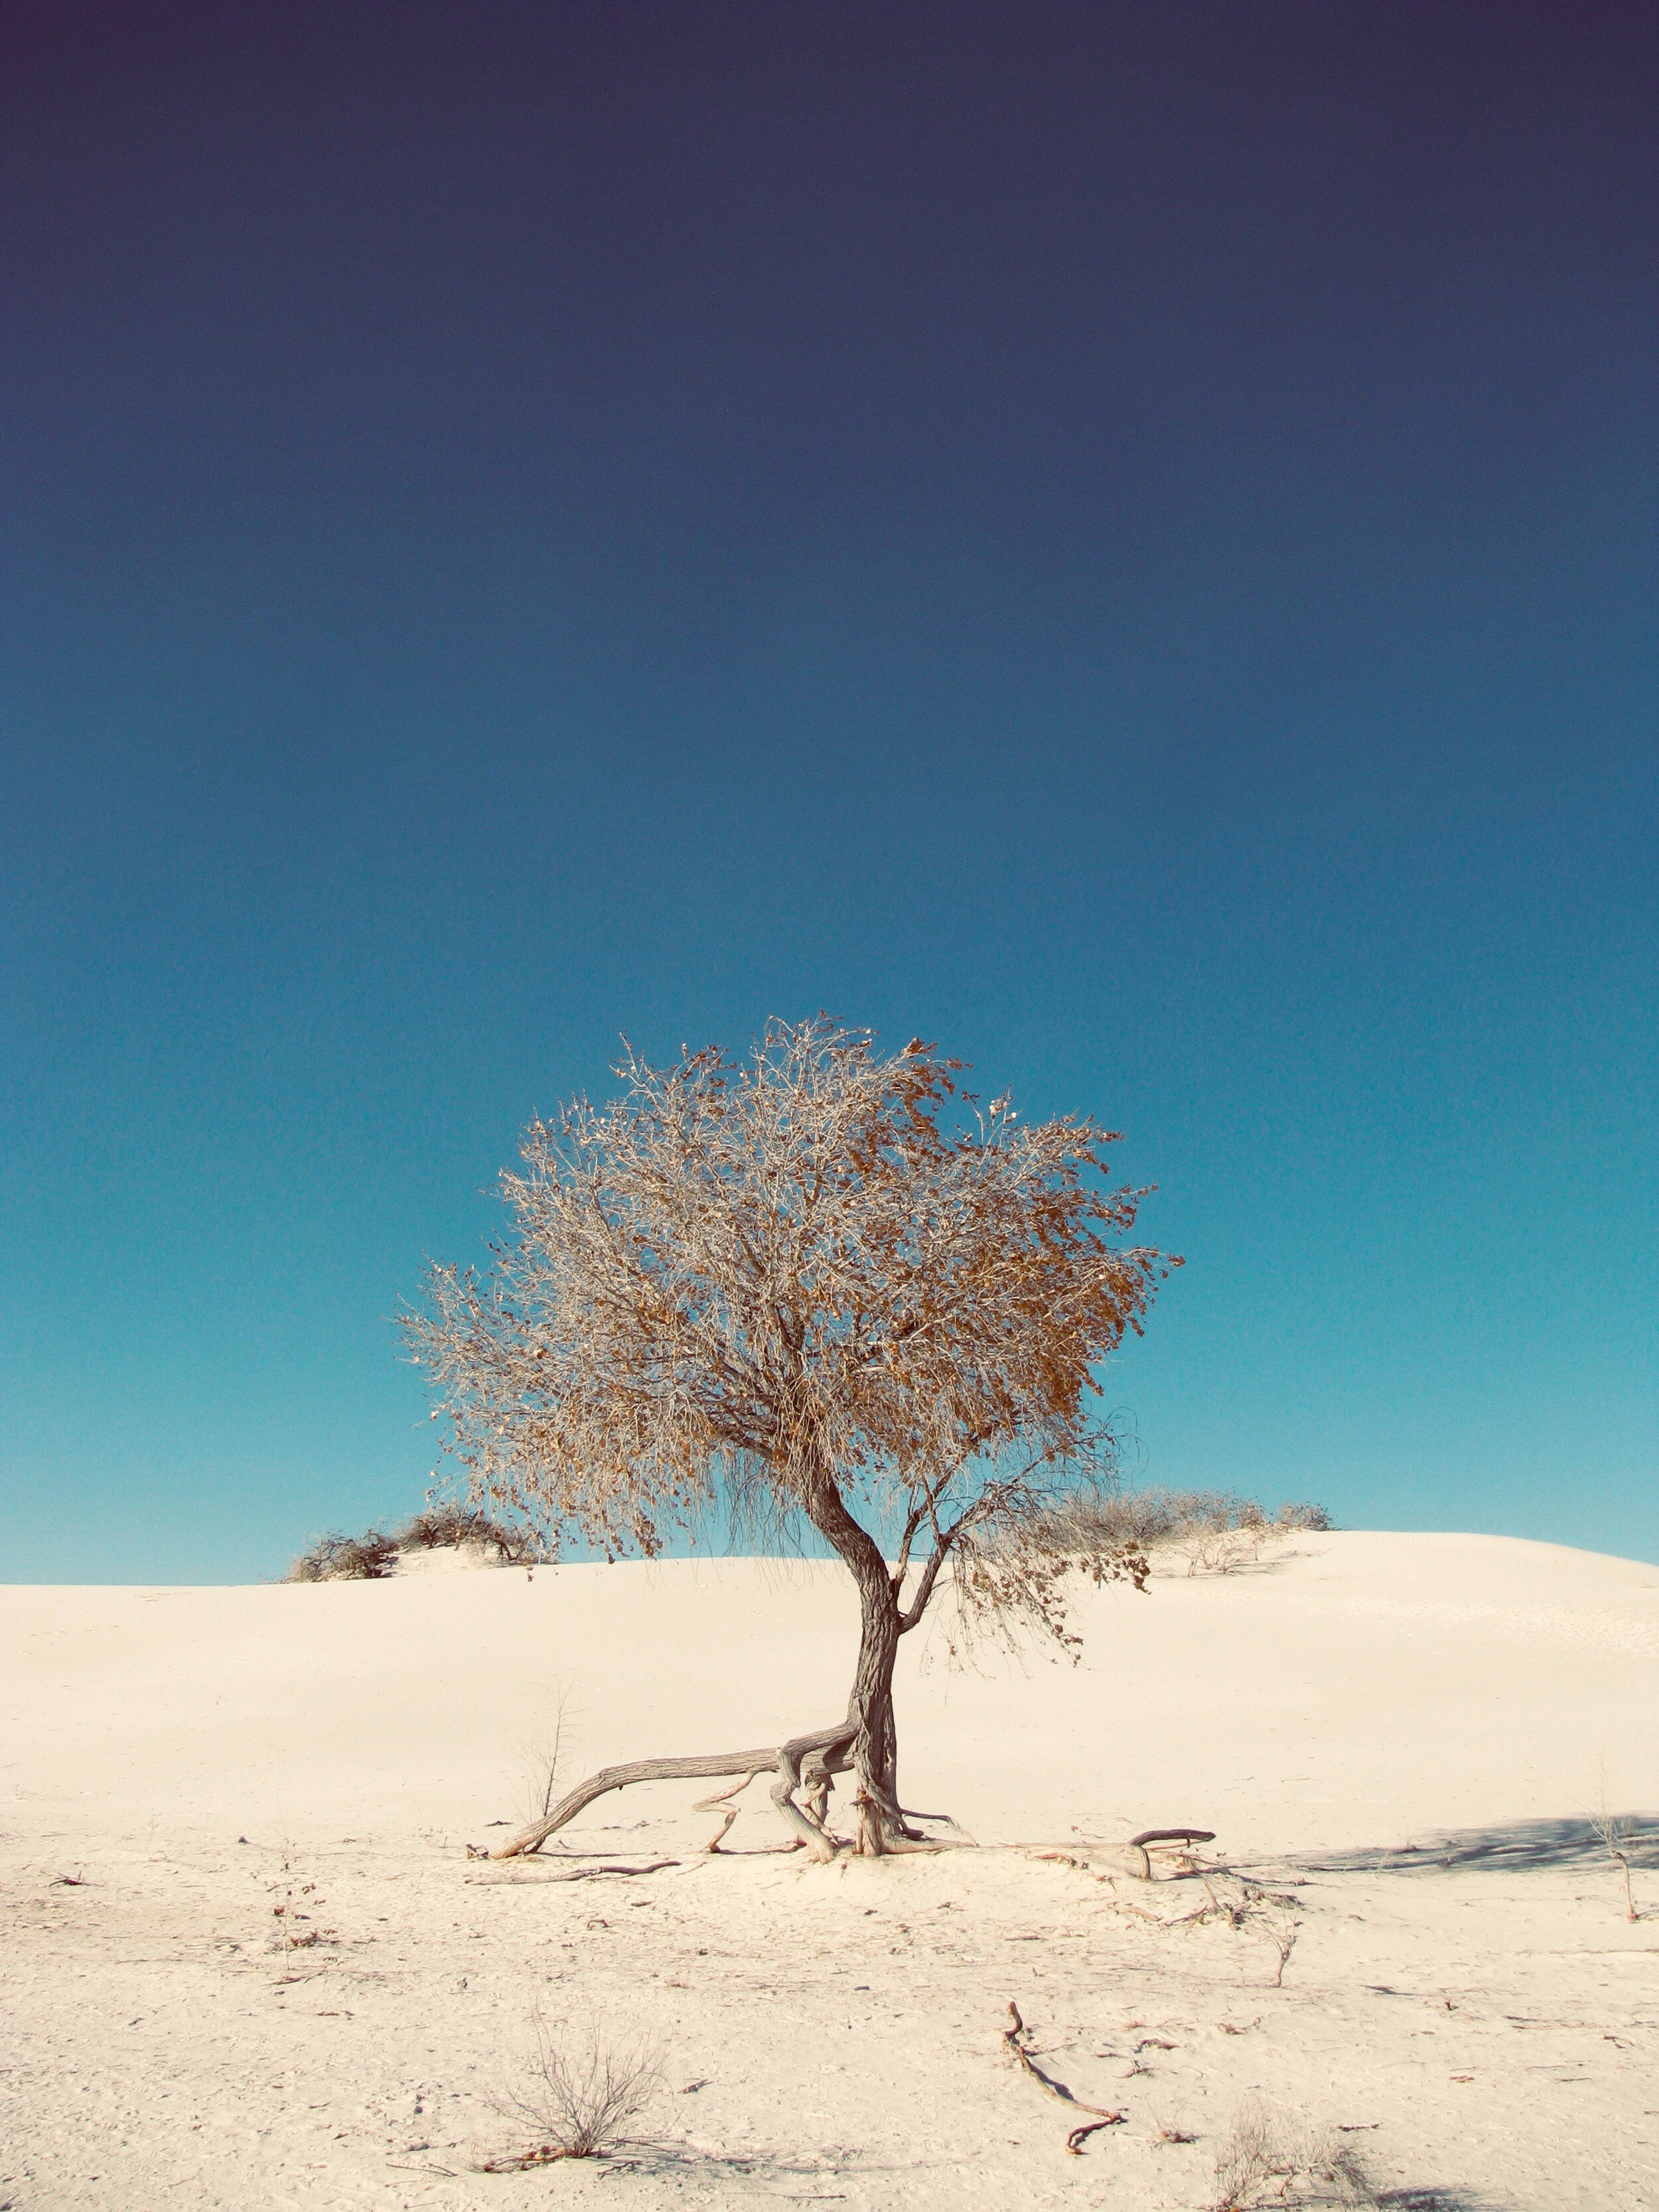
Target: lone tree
836, 1284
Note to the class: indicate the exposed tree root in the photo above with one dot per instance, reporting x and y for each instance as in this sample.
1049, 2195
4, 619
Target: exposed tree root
721, 1798
807, 1764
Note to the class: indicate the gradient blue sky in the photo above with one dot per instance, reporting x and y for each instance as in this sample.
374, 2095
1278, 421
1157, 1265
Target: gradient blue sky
1122, 539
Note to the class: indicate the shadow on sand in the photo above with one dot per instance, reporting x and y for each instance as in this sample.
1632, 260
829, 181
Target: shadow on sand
1439, 2200
1521, 1847
804, 2180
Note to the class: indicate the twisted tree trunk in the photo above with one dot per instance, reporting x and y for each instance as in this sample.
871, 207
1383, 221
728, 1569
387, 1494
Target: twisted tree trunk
870, 1709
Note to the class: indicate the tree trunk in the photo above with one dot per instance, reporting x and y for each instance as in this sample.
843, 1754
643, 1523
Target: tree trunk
870, 1708
875, 1747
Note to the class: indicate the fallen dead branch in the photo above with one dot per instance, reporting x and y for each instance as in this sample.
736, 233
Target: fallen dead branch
1138, 1845
565, 1874
1013, 2038
1166, 1836
1079, 2136
826, 1752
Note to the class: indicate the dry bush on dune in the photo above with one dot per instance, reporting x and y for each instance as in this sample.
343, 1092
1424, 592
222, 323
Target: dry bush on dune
365, 1558
446, 1525
374, 1555
835, 1278
579, 2095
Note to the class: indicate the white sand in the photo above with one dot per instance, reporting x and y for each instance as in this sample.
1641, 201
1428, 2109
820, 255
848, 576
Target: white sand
1478, 2011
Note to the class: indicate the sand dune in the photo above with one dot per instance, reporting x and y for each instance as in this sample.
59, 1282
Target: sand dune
1399, 1738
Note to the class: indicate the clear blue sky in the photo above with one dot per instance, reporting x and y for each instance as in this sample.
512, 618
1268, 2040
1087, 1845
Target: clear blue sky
1123, 540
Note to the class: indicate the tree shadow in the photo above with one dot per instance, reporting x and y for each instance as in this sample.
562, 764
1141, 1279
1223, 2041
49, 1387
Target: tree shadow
1439, 2200
682, 2162
1519, 1847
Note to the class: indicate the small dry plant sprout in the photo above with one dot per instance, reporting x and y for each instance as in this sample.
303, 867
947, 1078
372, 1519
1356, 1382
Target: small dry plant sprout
1282, 1933
579, 2093
1614, 1835
1270, 2157
294, 1910
547, 1760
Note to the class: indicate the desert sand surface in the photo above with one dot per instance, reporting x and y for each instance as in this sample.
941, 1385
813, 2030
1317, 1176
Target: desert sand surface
1404, 1929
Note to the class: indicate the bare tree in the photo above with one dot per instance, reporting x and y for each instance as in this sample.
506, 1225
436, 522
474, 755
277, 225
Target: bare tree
837, 1286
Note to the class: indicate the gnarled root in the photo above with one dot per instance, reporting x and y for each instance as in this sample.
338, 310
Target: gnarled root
812, 1833
825, 1751
804, 1767
723, 1797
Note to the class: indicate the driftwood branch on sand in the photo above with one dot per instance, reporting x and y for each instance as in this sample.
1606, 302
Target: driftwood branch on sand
1014, 2038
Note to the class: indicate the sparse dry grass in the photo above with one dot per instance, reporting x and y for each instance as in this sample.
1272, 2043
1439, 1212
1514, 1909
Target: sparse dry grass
1269, 2156
1216, 1530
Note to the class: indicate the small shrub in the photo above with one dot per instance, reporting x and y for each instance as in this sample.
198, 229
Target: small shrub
579, 2097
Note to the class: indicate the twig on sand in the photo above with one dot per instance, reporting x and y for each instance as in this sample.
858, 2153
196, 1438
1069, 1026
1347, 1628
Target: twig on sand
566, 1874
1012, 2038
1079, 2136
